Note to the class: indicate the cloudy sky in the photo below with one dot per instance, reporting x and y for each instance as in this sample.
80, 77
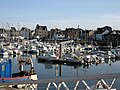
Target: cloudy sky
88, 14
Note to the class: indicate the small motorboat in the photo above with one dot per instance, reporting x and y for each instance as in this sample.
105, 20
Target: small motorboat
6, 75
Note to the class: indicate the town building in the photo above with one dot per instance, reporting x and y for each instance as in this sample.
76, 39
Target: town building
2, 34
57, 34
41, 32
25, 32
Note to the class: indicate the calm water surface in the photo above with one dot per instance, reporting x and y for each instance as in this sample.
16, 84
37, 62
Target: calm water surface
47, 71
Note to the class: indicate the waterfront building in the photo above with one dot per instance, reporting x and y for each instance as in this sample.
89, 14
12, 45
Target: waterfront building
2, 34
57, 34
25, 32
72, 33
13, 34
102, 35
115, 37
41, 32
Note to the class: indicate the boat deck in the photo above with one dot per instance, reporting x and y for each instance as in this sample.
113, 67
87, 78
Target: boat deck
59, 61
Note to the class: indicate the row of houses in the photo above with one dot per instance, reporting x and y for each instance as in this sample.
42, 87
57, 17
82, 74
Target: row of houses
103, 35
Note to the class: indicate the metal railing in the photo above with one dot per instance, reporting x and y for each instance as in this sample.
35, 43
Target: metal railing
57, 83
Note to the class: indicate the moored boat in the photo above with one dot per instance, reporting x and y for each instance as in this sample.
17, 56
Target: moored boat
6, 75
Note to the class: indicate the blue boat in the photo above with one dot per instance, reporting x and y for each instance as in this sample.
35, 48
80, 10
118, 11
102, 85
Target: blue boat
6, 75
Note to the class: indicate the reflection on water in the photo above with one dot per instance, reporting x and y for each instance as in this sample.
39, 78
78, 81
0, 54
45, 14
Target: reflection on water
47, 70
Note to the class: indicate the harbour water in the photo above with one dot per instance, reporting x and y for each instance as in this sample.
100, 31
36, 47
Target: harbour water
48, 71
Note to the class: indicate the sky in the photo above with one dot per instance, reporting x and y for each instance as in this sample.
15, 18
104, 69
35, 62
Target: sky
88, 14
